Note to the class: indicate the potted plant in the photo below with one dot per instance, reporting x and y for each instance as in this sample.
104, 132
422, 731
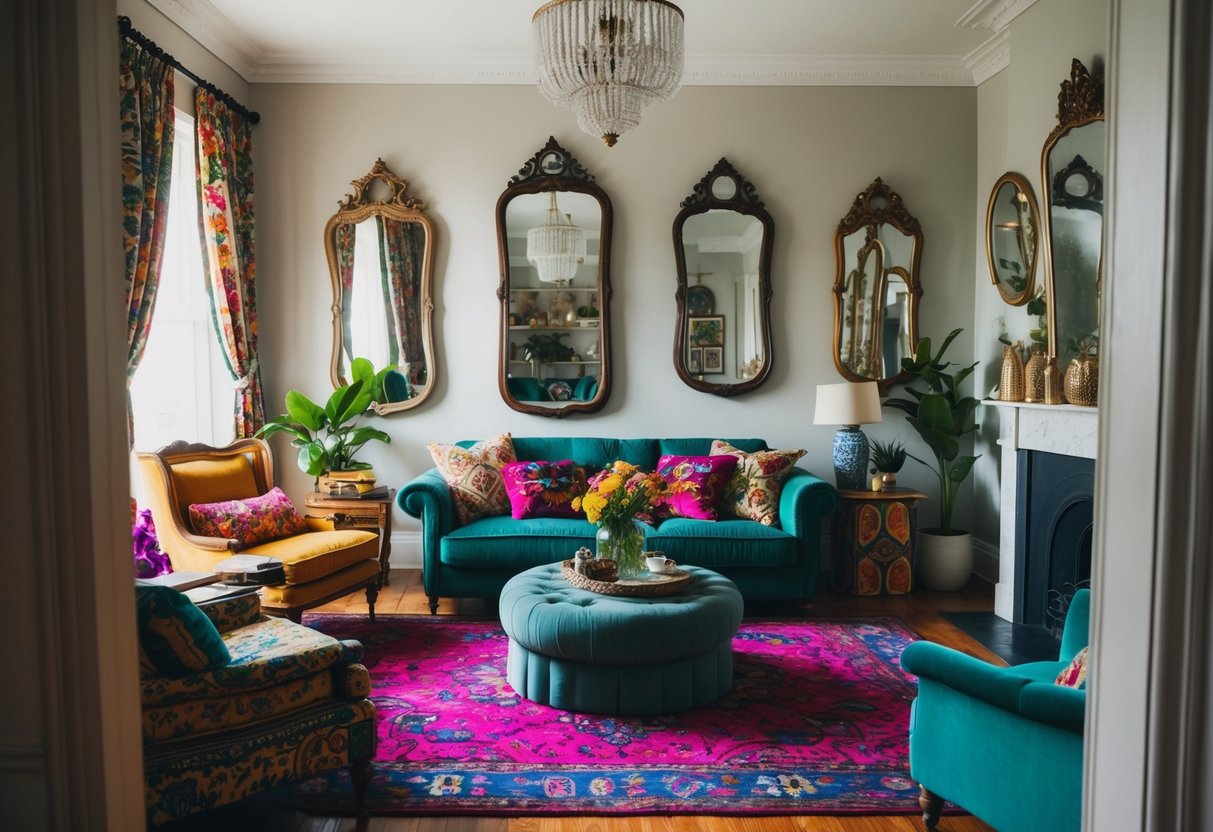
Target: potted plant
329, 437
942, 415
887, 459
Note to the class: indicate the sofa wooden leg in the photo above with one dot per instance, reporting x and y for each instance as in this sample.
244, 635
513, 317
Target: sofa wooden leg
361, 772
433, 604
931, 805
372, 593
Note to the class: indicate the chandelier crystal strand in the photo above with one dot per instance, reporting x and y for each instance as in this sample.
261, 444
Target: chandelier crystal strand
557, 247
607, 59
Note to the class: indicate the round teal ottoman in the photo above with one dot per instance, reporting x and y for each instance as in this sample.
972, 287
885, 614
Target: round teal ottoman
580, 651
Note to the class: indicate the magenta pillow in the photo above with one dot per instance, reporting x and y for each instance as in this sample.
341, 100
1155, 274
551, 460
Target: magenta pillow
543, 489
696, 484
248, 521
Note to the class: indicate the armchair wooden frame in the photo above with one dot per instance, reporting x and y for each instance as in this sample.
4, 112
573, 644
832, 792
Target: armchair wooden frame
194, 552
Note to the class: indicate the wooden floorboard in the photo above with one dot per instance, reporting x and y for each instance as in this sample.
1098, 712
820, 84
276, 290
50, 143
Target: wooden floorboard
920, 611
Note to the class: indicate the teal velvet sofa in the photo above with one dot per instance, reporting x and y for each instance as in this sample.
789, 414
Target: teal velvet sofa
1004, 743
475, 560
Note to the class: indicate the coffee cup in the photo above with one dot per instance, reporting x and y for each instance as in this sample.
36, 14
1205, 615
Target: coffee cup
659, 564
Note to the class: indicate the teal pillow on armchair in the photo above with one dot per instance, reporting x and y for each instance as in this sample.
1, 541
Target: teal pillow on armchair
177, 637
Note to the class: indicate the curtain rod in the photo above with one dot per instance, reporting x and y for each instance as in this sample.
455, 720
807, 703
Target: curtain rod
126, 30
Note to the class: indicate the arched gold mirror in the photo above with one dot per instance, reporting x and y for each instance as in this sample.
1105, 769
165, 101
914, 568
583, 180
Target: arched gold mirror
722, 245
554, 244
1012, 238
380, 248
878, 248
1071, 170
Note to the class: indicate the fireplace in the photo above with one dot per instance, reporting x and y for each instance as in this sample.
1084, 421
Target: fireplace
1047, 487
1055, 519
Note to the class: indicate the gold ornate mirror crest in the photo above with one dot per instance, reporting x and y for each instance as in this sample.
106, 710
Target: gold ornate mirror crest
554, 245
1071, 172
1013, 238
878, 248
723, 238
380, 249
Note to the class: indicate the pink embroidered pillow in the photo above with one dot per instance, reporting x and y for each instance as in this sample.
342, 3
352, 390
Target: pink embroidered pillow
473, 476
1074, 675
752, 493
249, 521
696, 484
543, 489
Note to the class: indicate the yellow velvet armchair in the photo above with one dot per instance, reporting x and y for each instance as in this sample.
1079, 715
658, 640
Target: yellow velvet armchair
321, 564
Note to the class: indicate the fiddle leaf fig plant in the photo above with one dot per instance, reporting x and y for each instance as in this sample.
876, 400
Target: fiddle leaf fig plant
942, 415
328, 436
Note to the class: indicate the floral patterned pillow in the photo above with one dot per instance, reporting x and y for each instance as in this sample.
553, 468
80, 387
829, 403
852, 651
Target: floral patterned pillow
752, 493
248, 521
1074, 675
543, 489
695, 484
473, 476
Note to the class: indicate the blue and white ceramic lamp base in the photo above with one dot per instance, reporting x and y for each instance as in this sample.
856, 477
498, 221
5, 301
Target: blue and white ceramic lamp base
851, 458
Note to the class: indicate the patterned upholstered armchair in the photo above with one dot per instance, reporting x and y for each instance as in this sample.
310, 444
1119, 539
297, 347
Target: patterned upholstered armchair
322, 563
286, 703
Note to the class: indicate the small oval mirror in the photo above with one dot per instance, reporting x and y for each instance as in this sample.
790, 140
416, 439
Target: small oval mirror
1012, 234
723, 187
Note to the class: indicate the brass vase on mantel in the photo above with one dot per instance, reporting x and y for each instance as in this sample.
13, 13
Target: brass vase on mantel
1034, 376
1010, 387
1081, 383
1052, 382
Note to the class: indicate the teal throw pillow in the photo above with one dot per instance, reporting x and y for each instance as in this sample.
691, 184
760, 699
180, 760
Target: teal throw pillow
176, 635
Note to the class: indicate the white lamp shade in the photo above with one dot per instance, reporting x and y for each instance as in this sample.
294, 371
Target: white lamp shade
847, 403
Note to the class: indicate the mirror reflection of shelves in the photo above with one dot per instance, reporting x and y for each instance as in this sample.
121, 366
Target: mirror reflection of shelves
557, 330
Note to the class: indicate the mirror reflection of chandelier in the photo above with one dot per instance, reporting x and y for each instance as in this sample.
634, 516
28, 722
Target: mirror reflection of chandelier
557, 247
606, 59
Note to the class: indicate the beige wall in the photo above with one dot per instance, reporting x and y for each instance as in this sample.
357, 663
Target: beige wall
1016, 111
807, 150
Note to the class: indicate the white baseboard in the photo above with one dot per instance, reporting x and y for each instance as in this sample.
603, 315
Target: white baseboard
406, 550
985, 560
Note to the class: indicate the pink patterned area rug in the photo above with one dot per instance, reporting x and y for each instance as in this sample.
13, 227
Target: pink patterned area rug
816, 723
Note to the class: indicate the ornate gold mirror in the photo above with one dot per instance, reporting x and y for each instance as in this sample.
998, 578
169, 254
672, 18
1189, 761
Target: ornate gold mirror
722, 244
380, 247
1012, 235
1071, 169
554, 243
876, 289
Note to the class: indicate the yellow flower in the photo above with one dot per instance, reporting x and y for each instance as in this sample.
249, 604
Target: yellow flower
609, 484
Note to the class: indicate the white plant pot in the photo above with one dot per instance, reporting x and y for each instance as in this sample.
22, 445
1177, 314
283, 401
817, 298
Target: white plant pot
945, 561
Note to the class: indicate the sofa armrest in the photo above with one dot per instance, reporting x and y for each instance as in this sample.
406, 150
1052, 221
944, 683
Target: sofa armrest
229, 613
806, 500
1058, 705
427, 498
961, 672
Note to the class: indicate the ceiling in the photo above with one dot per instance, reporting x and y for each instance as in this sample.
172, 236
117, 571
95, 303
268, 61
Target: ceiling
795, 42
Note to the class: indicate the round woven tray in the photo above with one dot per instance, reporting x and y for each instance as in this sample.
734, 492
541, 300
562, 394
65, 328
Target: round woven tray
654, 587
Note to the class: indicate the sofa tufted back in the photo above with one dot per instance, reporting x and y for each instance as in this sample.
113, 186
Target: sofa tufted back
597, 452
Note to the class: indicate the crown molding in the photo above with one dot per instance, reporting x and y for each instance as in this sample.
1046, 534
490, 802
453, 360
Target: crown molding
213, 31
995, 15
991, 58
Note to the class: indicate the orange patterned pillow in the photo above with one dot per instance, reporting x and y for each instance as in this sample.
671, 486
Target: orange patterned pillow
249, 521
752, 492
1074, 675
473, 476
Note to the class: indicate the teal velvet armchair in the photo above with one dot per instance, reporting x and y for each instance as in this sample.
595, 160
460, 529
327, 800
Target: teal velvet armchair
1004, 743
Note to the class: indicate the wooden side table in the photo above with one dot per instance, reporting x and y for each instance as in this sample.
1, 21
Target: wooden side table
873, 541
356, 513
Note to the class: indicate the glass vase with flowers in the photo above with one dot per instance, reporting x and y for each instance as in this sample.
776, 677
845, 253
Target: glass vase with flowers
613, 499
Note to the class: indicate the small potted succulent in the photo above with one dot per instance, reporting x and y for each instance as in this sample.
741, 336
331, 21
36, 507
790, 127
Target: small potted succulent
887, 459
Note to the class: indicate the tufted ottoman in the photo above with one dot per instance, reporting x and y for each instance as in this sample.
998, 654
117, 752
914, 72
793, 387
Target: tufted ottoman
580, 651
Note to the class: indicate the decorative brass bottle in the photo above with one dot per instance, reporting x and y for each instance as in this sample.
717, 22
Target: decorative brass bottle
1052, 382
1034, 376
1081, 383
1010, 388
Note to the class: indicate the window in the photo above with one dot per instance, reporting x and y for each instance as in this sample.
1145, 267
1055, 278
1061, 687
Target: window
182, 388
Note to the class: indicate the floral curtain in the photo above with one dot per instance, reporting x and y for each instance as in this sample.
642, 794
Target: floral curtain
225, 199
147, 119
385, 285
405, 249
343, 245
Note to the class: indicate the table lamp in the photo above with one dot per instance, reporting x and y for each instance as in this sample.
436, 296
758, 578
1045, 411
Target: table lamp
850, 405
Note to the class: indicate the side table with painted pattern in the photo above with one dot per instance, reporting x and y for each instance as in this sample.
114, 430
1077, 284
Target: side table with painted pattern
872, 539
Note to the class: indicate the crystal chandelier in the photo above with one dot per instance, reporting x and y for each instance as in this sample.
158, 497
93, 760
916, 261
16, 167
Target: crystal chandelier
557, 247
606, 59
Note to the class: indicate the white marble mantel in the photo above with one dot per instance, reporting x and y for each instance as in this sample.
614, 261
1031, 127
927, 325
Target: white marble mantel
1055, 428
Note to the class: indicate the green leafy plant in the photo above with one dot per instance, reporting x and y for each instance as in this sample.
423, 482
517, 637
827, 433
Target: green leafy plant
547, 348
942, 415
887, 457
328, 437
